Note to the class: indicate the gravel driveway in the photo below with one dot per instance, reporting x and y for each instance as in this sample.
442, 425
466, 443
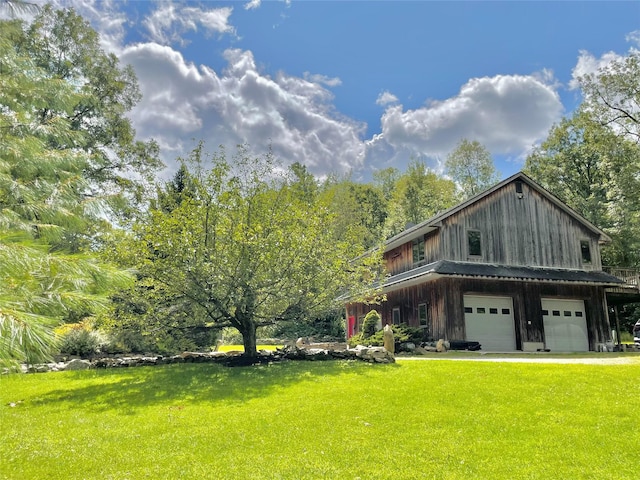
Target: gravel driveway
627, 360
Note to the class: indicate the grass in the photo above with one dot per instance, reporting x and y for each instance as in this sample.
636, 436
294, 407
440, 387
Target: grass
333, 420
240, 348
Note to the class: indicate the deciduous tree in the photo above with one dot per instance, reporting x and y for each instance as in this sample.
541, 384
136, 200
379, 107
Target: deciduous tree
247, 249
596, 172
613, 95
419, 194
470, 165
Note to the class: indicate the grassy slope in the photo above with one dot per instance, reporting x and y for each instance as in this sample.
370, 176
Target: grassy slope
296, 420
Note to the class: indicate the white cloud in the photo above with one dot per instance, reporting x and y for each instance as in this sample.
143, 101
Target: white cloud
322, 79
240, 104
184, 102
170, 21
253, 4
385, 98
589, 64
633, 37
506, 113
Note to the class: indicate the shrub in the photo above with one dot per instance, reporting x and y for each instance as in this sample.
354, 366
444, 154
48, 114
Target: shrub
80, 340
329, 324
127, 341
401, 333
370, 323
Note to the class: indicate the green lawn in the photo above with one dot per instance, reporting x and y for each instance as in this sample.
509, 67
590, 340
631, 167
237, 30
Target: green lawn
240, 348
333, 420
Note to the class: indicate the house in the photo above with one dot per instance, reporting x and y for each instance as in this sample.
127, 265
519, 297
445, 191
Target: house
513, 268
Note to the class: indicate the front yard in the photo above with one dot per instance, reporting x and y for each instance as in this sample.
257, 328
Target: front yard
309, 420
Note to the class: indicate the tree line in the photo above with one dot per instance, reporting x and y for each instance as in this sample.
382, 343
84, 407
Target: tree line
89, 236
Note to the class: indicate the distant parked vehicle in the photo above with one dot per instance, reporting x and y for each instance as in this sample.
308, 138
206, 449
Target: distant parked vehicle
636, 333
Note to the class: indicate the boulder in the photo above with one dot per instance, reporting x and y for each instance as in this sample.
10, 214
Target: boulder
389, 343
77, 364
407, 347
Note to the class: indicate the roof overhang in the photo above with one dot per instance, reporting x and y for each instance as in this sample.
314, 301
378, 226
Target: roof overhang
445, 268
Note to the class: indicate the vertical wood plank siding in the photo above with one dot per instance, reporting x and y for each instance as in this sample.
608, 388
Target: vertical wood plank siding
521, 229
400, 259
516, 229
445, 300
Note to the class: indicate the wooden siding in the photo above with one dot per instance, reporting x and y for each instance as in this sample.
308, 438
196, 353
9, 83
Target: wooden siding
519, 229
445, 304
400, 259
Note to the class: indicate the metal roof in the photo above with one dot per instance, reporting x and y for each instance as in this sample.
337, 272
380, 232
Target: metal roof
449, 268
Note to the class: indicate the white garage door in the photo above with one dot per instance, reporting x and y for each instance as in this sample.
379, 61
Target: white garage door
565, 325
489, 320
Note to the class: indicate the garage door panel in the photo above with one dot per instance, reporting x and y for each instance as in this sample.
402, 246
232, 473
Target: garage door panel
489, 320
565, 325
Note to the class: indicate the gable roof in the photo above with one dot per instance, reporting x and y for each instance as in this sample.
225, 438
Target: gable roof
434, 222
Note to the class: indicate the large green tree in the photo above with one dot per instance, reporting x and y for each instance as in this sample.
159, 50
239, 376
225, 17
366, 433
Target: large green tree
596, 171
46, 220
64, 47
470, 165
358, 207
249, 247
612, 94
418, 194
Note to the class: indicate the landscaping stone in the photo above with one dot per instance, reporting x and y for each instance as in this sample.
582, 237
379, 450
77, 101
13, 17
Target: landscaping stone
389, 343
78, 364
308, 352
407, 347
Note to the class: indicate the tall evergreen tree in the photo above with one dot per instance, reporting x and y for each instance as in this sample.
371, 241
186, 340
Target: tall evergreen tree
63, 137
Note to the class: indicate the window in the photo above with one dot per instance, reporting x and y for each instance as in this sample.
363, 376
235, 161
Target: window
474, 243
423, 320
418, 250
518, 187
493, 311
422, 315
395, 313
585, 249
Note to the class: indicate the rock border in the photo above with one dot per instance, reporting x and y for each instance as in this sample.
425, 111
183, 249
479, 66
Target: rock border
321, 352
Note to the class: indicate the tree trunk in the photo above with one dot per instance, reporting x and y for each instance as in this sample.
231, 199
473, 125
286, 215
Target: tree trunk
249, 340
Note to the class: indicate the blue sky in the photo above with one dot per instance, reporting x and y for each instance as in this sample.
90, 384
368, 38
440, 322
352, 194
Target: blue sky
361, 85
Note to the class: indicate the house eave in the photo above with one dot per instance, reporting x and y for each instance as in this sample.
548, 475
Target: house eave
492, 272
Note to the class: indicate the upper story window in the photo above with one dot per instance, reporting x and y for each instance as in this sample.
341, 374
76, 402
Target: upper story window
585, 250
474, 243
418, 250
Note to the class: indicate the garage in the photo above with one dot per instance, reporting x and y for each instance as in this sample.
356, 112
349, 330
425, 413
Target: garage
565, 325
489, 320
